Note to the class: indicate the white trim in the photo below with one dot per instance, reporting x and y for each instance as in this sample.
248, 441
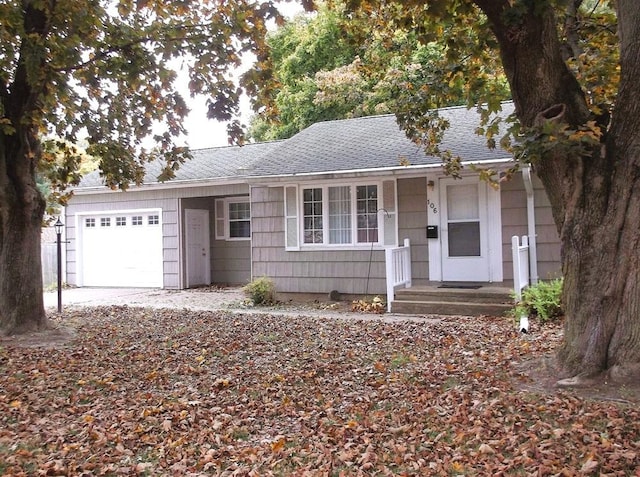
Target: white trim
433, 218
225, 219
182, 253
291, 218
353, 245
494, 233
492, 216
531, 224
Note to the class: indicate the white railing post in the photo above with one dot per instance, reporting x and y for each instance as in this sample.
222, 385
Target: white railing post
397, 268
520, 254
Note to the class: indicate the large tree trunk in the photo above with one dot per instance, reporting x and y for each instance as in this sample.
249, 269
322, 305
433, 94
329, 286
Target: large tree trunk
21, 213
21, 204
595, 196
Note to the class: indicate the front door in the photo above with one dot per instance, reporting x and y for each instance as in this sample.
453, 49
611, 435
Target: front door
464, 237
197, 239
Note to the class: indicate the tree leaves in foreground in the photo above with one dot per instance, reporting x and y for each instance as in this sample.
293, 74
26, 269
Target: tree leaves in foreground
161, 392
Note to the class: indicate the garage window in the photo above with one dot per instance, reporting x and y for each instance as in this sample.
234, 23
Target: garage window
121, 221
105, 221
153, 220
90, 222
136, 220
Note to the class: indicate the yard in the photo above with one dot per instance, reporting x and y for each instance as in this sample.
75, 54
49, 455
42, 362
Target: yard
174, 392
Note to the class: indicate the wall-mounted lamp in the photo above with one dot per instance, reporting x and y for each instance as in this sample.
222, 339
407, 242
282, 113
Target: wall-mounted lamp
431, 185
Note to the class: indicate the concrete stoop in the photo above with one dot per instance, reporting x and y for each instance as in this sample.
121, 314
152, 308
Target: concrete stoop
494, 301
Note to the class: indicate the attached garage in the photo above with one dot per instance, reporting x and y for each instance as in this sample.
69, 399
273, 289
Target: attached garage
121, 249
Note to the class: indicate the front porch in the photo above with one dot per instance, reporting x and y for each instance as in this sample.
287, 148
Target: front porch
463, 299
453, 298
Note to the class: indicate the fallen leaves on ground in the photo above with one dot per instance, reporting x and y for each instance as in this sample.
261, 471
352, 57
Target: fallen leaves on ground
167, 392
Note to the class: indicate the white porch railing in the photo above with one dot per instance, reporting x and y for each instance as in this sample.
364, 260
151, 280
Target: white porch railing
520, 253
398, 269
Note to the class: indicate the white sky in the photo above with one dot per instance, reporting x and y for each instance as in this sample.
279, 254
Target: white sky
203, 132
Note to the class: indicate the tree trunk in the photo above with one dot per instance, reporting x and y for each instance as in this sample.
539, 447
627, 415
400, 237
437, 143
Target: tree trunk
601, 268
21, 213
595, 196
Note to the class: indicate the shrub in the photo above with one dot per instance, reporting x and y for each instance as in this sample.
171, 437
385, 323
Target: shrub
261, 291
544, 300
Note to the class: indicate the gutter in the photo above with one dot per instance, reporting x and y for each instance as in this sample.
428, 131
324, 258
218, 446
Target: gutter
277, 178
531, 226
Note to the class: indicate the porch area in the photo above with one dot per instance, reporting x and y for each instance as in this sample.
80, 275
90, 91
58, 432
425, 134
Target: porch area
454, 298
466, 299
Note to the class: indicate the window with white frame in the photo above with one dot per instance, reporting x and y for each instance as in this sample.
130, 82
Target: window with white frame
233, 218
330, 212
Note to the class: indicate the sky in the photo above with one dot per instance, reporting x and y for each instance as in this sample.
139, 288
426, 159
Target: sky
203, 132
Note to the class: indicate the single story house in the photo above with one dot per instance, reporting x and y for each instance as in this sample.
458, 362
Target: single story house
314, 213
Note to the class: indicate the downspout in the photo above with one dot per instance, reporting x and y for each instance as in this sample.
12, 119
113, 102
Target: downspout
251, 231
531, 226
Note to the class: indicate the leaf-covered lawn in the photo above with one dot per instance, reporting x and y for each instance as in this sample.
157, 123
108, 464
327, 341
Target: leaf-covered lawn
166, 392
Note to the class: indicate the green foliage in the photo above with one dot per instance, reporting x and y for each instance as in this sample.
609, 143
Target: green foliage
544, 300
261, 291
380, 64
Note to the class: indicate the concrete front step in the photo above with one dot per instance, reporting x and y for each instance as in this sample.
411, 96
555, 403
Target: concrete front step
454, 295
422, 307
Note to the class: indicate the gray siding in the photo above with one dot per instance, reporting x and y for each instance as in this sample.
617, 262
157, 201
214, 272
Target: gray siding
353, 272
514, 222
166, 198
230, 259
124, 201
412, 224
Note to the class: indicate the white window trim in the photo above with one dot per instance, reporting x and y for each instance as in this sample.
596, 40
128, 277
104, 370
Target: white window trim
222, 218
353, 245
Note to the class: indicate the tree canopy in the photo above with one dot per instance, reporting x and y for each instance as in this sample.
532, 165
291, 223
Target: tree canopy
340, 64
106, 72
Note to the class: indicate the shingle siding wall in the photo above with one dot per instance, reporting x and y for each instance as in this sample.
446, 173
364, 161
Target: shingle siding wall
230, 259
348, 271
514, 222
123, 202
232, 267
412, 224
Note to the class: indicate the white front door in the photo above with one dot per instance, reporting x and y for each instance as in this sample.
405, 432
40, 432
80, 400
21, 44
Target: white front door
464, 230
197, 240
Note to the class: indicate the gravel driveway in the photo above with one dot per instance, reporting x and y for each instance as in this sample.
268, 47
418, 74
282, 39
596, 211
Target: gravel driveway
207, 299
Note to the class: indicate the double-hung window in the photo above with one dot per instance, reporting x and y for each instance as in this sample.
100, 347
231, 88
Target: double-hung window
233, 218
340, 215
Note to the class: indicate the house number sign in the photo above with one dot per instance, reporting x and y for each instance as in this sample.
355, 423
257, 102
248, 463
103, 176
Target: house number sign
432, 206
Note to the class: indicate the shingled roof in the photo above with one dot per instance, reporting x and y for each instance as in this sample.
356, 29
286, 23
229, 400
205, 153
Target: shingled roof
231, 162
366, 143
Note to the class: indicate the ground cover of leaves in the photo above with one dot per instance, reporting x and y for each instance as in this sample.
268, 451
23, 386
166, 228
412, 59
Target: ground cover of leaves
166, 392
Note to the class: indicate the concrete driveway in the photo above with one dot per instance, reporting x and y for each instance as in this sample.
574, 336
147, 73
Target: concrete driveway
195, 299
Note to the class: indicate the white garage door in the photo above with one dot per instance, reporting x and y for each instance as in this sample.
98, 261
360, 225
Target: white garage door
122, 249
